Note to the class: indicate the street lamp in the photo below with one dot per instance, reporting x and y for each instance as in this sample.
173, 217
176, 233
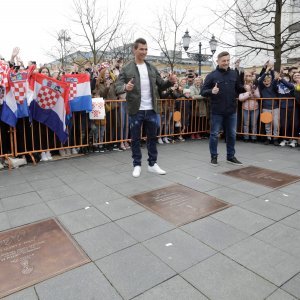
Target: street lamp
186, 39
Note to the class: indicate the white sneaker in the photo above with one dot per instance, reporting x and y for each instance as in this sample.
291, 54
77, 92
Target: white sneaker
293, 143
68, 152
137, 171
283, 143
165, 139
62, 152
74, 151
48, 155
44, 157
156, 169
160, 141
16, 162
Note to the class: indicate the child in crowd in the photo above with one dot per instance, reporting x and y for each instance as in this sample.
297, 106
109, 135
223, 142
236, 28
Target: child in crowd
268, 89
250, 107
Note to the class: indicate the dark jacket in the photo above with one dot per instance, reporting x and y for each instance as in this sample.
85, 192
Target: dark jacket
268, 92
223, 103
133, 98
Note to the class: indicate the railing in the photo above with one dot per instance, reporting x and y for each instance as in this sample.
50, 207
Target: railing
180, 117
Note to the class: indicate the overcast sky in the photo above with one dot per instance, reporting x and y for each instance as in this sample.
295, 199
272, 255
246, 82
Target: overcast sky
31, 24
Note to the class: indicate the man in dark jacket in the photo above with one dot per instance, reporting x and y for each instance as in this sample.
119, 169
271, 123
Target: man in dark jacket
141, 82
222, 86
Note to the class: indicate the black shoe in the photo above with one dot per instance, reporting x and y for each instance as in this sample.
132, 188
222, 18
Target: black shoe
254, 141
246, 141
234, 161
275, 142
214, 161
267, 142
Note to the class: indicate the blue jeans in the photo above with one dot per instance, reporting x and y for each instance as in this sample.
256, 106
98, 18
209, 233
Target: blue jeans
147, 119
217, 122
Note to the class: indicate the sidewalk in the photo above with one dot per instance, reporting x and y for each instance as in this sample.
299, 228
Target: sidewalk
250, 250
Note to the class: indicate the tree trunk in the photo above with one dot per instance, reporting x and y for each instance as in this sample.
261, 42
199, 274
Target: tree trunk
277, 41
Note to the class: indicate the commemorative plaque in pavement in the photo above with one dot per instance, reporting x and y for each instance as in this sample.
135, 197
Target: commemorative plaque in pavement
264, 177
35, 252
179, 204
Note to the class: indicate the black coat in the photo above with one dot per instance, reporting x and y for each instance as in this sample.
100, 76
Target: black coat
228, 81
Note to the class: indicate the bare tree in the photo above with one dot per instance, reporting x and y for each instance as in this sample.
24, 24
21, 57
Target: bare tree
98, 29
263, 27
168, 34
63, 48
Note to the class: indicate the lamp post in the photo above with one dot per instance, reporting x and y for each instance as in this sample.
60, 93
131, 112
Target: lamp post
186, 39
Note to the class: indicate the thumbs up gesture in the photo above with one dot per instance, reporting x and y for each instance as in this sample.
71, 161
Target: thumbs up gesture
215, 89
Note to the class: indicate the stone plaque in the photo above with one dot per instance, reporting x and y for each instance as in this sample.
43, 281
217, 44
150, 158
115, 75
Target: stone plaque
262, 176
179, 204
35, 252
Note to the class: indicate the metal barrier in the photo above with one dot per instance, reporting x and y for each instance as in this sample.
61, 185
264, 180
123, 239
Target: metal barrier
282, 121
30, 138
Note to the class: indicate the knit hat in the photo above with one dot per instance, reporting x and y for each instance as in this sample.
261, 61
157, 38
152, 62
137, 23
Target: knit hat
186, 91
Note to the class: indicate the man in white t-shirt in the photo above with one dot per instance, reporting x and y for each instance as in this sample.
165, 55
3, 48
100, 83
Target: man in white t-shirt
141, 82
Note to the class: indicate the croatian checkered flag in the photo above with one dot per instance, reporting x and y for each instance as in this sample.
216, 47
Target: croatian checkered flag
15, 104
48, 103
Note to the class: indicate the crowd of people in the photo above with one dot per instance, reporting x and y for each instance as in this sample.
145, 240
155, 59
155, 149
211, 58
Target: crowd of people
198, 103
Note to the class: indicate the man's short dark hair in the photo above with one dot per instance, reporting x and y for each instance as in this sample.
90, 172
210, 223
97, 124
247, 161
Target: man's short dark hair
223, 53
139, 41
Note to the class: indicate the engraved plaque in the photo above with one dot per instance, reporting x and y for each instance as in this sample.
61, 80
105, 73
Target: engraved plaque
179, 204
262, 176
35, 252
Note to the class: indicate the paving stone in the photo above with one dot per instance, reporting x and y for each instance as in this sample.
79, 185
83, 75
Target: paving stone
131, 188
293, 286
18, 201
98, 195
214, 177
251, 188
219, 277
46, 183
67, 204
120, 208
283, 198
282, 237
269, 262
292, 221
4, 223
11, 178
230, 195
144, 225
85, 282
267, 209
280, 295
15, 189
85, 186
29, 214
178, 249
134, 270
214, 233
57, 193
27, 294
83, 219
175, 288
104, 240
242, 219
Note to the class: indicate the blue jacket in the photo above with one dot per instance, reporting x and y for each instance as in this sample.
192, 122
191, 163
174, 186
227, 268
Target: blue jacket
268, 92
223, 103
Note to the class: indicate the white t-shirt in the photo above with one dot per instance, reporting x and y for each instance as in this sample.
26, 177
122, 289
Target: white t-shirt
146, 99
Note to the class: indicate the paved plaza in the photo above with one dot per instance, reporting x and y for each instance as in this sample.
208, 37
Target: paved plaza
250, 250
